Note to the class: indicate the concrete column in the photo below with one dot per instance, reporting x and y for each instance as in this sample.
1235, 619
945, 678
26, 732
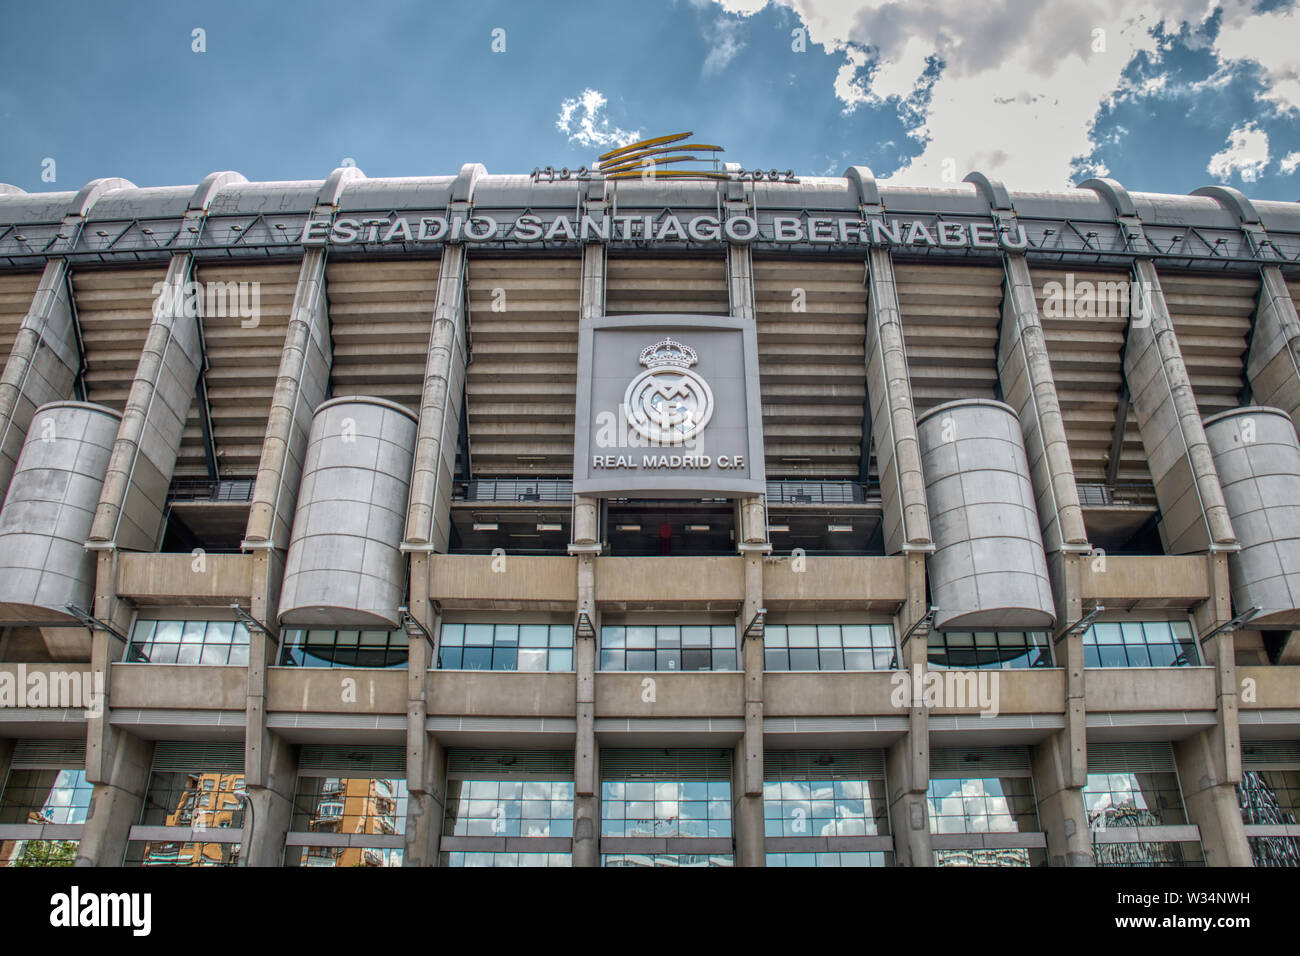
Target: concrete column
425, 768
117, 763
585, 547
300, 386
1060, 763
428, 518
747, 779
893, 416
1209, 763
42, 365
272, 800
1061, 811
134, 496
586, 755
751, 526
907, 761
1211, 801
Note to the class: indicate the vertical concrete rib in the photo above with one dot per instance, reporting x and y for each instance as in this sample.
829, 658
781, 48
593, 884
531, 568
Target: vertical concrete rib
889, 391
585, 546
1060, 762
131, 507
42, 365
751, 537
906, 524
428, 525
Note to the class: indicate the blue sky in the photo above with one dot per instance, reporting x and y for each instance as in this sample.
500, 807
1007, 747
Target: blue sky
1168, 96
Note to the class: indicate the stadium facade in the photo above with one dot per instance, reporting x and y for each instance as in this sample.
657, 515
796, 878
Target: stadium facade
556, 519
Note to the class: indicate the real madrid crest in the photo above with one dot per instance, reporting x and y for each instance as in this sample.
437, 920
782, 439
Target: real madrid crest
668, 403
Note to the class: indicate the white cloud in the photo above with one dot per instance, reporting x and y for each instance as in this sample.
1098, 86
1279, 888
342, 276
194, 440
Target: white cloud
1019, 85
724, 42
1289, 163
582, 119
1269, 39
1246, 155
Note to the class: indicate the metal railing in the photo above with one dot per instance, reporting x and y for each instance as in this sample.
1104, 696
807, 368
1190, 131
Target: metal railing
1096, 495
561, 490
201, 489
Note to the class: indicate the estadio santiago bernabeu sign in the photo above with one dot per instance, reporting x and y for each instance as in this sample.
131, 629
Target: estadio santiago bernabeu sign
668, 405
664, 227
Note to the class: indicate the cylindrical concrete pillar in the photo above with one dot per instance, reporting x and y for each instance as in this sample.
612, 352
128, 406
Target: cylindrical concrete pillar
988, 570
1257, 455
344, 566
48, 511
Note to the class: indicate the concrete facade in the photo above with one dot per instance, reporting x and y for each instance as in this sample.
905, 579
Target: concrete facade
463, 544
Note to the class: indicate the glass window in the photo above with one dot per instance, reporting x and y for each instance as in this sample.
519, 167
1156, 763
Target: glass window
829, 647
1005, 856
520, 807
825, 808
1140, 644
655, 807
337, 856
173, 799
159, 853
666, 859
506, 647
863, 858
353, 805
188, 642
45, 796
989, 650
489, 858
328, 648
1138, 799
651, 647
38, 853
1148, 854
982, 805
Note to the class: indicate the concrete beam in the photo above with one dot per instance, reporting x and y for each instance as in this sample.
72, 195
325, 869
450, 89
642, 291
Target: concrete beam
42, 365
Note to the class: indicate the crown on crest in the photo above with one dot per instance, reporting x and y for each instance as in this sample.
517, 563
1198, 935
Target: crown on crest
668, 352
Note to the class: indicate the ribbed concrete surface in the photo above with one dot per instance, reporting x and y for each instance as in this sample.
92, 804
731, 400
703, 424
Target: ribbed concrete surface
49, 509
344, 566
988, 570
1257, 456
